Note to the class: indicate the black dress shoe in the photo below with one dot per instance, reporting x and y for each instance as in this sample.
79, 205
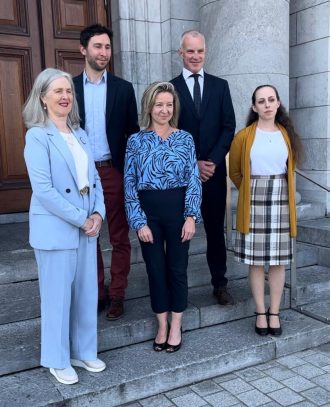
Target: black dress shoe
174, 348
223, 296
274, 331
261, 331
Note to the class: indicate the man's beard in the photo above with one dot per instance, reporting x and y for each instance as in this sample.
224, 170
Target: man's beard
94, 65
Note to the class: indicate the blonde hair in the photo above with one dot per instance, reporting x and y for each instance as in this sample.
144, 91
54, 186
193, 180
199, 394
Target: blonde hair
148, 102
34, 114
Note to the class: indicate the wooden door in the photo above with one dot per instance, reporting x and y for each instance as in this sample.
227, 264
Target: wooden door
34, 34
20, 62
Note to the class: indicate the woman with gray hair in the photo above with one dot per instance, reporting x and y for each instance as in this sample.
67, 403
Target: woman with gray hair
162, 198
66, 213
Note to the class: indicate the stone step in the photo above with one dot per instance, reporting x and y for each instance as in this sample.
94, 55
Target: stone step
19, 300
137, 325
313, 284
310, 210
17, 261
136, 372
319, 310
316, 232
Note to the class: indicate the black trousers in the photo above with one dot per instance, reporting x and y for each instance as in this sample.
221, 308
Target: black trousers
167, 257
213, 213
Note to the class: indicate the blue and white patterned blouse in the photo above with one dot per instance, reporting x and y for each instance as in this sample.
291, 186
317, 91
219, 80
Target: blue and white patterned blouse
156, 164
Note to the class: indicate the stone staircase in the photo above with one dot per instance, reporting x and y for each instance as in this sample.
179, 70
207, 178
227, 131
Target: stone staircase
217, 339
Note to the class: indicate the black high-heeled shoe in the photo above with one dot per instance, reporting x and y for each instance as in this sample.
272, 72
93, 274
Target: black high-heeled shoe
261, 331
174, 348
158, 347
274, 331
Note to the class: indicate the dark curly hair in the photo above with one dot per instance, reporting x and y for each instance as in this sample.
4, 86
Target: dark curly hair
95, 29
282, 118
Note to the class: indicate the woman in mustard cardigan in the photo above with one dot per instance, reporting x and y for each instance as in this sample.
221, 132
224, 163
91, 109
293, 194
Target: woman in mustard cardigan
262, 161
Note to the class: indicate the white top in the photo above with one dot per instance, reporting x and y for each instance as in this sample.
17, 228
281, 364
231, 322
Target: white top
269, 153
190, 81
80, 159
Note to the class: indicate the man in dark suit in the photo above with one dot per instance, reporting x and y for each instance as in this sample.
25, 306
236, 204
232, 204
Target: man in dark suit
108, 113
207, 113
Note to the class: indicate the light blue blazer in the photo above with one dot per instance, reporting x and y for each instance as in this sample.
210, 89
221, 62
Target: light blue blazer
57, 208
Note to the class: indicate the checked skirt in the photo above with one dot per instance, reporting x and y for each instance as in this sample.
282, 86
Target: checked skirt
269, 241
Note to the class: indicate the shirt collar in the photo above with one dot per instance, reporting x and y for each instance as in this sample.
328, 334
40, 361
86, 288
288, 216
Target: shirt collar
186, 73
103, 78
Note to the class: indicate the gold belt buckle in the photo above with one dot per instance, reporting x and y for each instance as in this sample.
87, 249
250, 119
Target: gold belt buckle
84, 191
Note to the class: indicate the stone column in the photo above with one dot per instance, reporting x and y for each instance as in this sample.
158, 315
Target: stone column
310, 92
247, 44
146, 38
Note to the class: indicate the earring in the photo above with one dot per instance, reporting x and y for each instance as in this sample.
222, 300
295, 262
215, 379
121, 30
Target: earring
45, 106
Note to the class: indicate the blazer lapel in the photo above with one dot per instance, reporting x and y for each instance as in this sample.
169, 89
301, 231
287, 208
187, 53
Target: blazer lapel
207, 88
111, 95
185, 94
79, 87
62, 147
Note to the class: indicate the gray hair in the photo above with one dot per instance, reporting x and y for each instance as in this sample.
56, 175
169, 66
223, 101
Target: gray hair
149, 98
192, 33
34, 114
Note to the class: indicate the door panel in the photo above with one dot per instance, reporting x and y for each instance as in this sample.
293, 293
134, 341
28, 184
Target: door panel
62, 22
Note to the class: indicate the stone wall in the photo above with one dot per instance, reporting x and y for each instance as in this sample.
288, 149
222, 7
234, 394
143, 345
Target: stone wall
310, 91
146, 38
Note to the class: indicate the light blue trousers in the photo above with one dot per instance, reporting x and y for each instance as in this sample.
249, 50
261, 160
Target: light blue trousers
68, 291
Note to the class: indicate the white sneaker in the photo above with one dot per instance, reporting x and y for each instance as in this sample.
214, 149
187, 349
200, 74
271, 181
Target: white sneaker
90, 365
65, 376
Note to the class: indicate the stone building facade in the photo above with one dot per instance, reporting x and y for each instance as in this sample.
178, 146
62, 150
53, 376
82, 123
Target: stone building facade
249, 42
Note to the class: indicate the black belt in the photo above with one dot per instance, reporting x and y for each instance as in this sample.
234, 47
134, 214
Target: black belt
105, 163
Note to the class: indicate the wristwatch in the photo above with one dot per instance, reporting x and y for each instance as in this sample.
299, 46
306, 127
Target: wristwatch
191, 216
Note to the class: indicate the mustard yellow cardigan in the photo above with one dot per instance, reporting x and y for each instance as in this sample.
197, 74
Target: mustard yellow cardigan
239, 172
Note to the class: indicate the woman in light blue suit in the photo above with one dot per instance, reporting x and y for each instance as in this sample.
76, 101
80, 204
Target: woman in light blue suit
66, 213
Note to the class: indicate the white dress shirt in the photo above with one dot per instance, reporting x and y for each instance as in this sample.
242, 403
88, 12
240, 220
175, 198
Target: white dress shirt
191, 81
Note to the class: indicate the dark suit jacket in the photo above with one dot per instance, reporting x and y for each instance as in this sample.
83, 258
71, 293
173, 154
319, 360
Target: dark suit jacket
214, 130
121, 114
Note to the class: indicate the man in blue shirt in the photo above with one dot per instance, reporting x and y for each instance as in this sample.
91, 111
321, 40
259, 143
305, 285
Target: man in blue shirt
207, 113
108, 113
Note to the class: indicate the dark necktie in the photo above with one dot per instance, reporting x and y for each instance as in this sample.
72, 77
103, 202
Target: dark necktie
197, 93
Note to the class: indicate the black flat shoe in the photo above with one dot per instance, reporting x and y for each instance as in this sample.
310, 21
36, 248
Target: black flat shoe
274, 331
174, 348
261, 331
158, 347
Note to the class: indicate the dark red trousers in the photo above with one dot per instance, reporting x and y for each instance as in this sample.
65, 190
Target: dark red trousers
113, 190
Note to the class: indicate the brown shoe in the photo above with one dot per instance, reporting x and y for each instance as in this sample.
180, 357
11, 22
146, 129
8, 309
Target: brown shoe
116, 309
223, 296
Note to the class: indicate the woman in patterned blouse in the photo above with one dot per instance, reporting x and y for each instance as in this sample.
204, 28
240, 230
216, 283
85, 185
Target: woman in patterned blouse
162, 198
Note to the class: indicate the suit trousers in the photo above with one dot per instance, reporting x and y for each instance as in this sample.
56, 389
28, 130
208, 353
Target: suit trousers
68, 292
213, 212
167, 257
113, 190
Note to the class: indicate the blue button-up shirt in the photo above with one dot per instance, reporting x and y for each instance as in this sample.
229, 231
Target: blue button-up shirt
154, 163
95, 97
